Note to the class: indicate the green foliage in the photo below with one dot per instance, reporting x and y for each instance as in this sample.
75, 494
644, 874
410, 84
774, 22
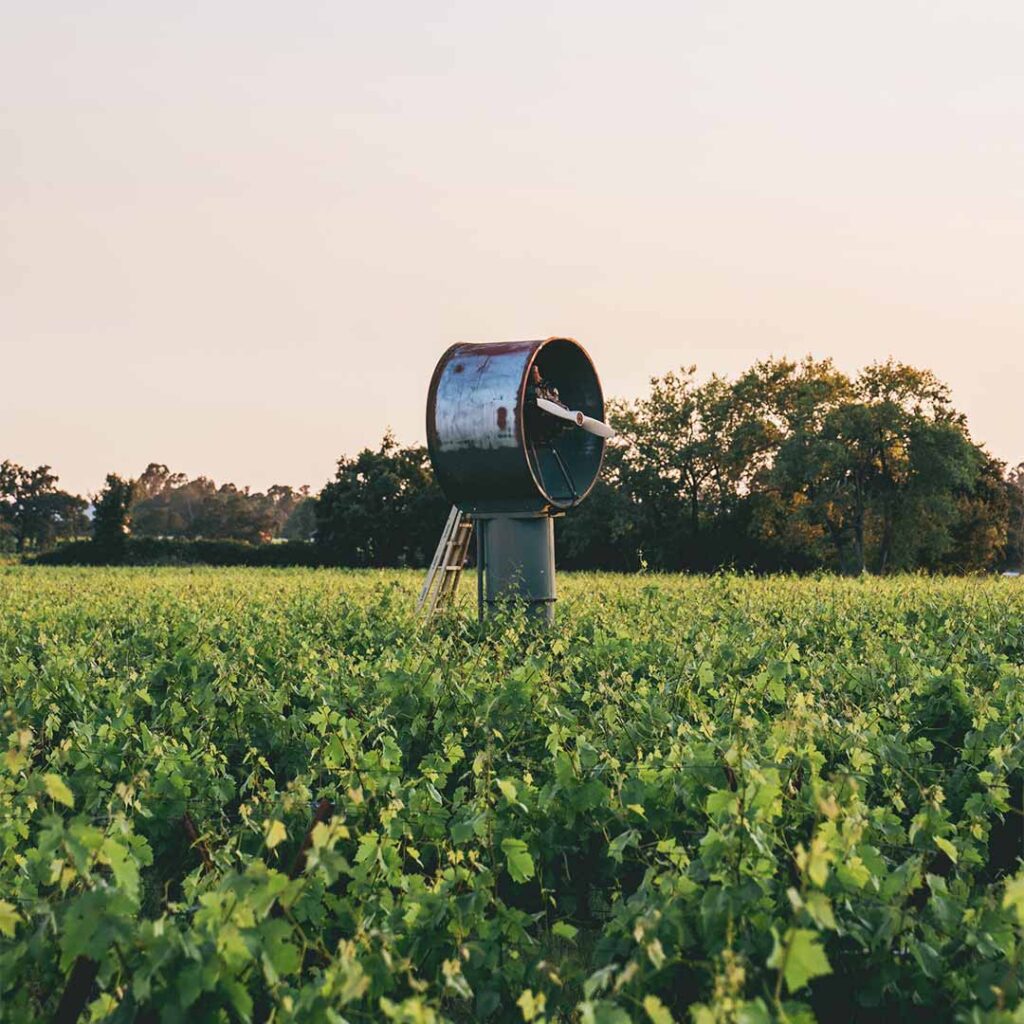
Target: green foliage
301, 522
383, 508
796, 466
34, 513
517, 859
1014, 496
111, 521
878, 470
254, 795
799, 958
143, 551
170, 505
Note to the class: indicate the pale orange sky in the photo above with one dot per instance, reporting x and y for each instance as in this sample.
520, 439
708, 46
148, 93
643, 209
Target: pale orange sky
235, 237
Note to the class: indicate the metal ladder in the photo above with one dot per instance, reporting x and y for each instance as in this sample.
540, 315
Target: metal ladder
446, 568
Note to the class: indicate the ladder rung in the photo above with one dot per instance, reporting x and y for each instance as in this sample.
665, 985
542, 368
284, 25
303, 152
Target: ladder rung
448, 562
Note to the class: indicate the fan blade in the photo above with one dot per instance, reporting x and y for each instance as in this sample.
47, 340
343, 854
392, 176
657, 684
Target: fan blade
558, 410
595, 426
588, 423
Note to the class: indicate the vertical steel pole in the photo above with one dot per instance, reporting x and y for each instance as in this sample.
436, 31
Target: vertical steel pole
519, 554
481, 547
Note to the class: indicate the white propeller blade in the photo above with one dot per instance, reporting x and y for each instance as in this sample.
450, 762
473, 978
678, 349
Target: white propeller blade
588, 423
595, 426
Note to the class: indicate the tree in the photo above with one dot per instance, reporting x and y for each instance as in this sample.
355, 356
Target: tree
788, 401
111, 522
695, 455
983, 529
170, 505
231, 513
672, 462
1015, 518
301, 524
880, 471
155, 513
34, 511
383, 508
603, 532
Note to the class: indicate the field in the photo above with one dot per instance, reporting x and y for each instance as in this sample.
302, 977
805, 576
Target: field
262, 794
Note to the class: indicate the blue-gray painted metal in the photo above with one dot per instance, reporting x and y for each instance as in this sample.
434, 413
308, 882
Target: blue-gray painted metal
519, 562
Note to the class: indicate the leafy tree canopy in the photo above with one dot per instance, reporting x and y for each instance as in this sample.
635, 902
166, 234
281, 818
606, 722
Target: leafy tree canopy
34, 512
382, 508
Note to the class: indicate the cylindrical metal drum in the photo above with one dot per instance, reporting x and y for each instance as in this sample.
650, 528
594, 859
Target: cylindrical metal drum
495, 452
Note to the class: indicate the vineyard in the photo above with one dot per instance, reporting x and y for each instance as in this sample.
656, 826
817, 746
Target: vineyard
251, 795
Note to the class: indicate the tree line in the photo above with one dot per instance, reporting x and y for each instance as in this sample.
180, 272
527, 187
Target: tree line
791, 466
35, 514
798, 466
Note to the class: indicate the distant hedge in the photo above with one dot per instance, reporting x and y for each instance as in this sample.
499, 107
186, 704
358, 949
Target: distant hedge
172, 551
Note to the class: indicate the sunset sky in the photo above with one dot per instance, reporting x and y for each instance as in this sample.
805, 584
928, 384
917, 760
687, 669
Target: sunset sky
236, 237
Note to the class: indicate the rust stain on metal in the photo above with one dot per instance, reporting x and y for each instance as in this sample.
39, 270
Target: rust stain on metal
500, 348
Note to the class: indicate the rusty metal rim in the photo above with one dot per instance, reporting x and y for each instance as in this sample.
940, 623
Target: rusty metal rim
522, 423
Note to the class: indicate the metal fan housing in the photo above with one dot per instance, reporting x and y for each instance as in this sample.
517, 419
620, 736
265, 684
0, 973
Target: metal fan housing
494, 451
